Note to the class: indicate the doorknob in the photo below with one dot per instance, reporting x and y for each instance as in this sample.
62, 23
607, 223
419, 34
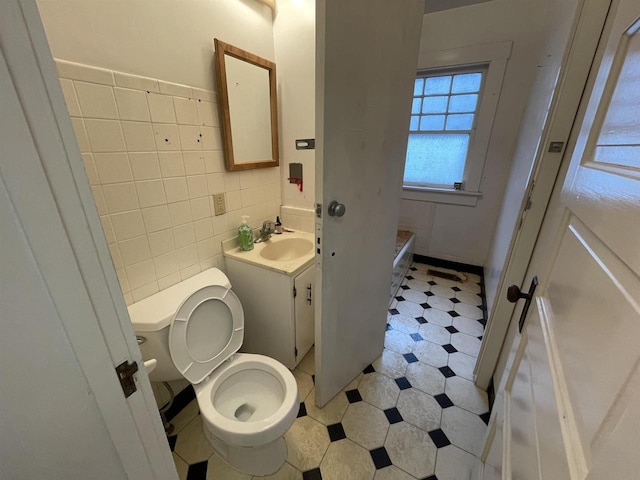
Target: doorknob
514, 294
336, 209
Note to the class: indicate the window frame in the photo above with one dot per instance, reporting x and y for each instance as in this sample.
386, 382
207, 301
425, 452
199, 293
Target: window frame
494, 58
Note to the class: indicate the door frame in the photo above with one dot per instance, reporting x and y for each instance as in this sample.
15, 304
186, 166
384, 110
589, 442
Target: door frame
572, 81
133, 423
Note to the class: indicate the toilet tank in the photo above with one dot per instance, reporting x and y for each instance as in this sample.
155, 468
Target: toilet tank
151, 319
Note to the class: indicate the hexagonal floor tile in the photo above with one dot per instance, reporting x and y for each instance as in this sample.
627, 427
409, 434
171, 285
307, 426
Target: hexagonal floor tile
455, 464
462, 364
345, 459
304, 382
332, 412
399, 342
287, 472
419, 409
469, 298
217, 468
366, 425
426, 378
468, 326
391, 364
442, 291
409, 308
435, 333
469, 287
415, 296
464, 394
404, 323
379, 390
466, 343
411, 449
431, 354
308, 362
469, 311
392, 473
464, 429
438, 317
192, 445
307, 441
440, 303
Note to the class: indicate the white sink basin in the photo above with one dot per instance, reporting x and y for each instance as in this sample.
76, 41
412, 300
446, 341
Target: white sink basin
286, 249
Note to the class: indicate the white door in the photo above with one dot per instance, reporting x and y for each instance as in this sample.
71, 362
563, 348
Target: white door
567, 407
65, 326
366, 63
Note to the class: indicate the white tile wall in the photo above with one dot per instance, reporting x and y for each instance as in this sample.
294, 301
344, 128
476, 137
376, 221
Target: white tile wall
153, 155
295, 218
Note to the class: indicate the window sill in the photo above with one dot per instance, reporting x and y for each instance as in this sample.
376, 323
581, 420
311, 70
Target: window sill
441, 195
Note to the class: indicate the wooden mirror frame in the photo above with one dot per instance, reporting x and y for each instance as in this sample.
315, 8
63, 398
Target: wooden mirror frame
222, 49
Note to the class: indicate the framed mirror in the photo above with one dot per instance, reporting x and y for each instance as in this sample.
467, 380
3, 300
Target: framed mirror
248, 108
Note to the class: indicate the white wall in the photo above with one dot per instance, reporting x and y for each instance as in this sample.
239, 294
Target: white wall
463, 233
171, 40
294, 31
553, 43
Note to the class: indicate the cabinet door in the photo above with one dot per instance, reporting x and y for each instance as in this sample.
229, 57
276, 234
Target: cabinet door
304, 303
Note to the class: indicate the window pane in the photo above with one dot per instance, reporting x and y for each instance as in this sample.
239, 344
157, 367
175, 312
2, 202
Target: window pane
463, 103
436, 158
415, 107
436, 85
467, 82
418, 87
434, 104
432, 122
459, 122
415, 121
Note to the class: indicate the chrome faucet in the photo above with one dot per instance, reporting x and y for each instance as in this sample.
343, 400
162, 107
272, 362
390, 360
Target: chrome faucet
268, 227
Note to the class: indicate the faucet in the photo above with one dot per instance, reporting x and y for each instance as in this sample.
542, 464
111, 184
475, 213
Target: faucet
268, 227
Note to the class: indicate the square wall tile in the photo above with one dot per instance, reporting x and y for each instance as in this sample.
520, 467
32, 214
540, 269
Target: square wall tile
132, 104
90, 168
208, 114
161, 242
167, 137
176, 189
135, 250
138, 136
98, 197
107, 227
186, 113
145, 291
145, 165
180, 213
167, 264
211, 138
127, 225
190, 137
184, 235
203, 228
161, 109
194, 163
169, 280
69, 92
120, 197
105, 135
214, 161
215, 183
81, 134
187, 256
156, 218
140, 274
171, 164
151, 193
113, 167
197, 185
96, 101
200, 208
168, 88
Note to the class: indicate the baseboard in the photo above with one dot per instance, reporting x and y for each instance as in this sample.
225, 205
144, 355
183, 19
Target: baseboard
461, 267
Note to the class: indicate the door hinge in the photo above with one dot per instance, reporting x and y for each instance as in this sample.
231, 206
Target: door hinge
295, 292
125, 372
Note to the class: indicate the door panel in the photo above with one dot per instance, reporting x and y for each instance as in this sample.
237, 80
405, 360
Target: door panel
303, 311
366, 64
580, 359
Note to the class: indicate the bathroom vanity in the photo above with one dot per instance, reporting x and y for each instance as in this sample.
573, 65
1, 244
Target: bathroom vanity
275, 283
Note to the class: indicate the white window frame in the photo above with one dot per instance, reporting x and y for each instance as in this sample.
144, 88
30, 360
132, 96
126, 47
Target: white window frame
494, 58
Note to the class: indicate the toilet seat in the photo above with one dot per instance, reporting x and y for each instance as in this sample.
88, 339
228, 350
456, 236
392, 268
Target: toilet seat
248, 433
207, 329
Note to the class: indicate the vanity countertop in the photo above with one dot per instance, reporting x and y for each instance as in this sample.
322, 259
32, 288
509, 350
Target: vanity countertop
291, 267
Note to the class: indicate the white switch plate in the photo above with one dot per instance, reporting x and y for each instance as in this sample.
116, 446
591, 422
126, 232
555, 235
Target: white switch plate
219, 204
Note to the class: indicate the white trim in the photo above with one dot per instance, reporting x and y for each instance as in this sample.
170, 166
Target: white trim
495, 57
441, 195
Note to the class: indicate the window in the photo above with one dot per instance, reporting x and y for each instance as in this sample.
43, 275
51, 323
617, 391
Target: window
454, 105
442, 128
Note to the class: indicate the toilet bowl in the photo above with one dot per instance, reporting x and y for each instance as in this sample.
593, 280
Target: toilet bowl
247, 402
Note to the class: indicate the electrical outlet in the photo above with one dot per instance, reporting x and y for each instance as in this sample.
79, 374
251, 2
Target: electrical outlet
219, 204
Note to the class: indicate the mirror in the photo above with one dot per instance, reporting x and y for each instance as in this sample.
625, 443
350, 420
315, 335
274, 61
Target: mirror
248, 108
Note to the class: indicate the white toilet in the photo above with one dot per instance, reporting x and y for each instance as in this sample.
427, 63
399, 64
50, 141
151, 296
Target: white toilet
247, 402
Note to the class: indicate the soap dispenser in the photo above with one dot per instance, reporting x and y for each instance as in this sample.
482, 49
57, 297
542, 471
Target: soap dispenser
245, 235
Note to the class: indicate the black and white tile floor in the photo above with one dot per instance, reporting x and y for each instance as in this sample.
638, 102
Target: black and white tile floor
413, 414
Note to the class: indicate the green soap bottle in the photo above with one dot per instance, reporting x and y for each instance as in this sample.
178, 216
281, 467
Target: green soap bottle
245, 235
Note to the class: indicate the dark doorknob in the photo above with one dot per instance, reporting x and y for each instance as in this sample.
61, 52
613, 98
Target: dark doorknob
514, 294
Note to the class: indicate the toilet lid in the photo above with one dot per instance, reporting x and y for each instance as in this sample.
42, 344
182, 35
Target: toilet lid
207, 329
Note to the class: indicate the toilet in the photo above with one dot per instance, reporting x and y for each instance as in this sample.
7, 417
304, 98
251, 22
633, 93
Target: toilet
194, 330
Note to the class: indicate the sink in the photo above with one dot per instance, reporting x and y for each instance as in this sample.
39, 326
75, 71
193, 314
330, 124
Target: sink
286, 249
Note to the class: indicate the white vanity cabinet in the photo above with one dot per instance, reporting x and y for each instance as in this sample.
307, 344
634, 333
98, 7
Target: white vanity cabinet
278, 309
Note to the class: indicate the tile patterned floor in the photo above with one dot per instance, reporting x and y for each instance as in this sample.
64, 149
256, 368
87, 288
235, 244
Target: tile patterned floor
413, 414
